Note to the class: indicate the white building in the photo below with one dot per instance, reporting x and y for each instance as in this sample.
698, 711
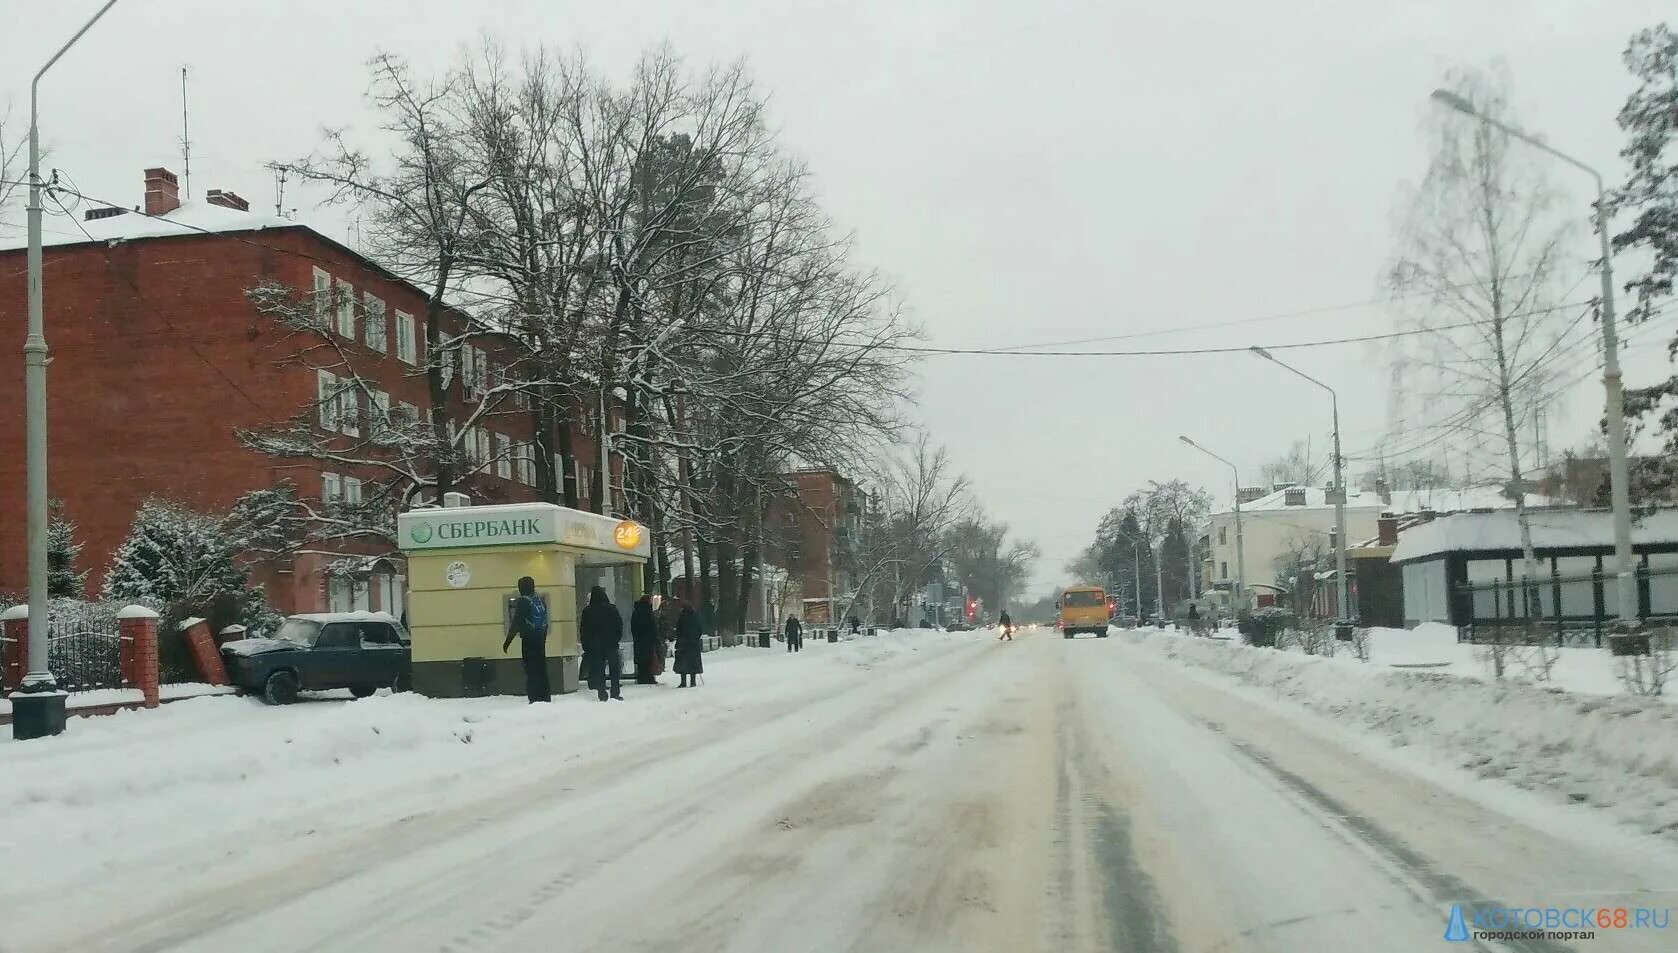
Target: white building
1292, 520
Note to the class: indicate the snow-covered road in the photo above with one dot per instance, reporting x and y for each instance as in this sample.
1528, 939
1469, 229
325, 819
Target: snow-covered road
949, 793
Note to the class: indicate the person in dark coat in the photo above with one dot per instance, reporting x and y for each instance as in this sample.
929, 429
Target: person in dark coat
649, 648
530, 627
601, 629
689, 648
795, 634
1006, 624
856, 625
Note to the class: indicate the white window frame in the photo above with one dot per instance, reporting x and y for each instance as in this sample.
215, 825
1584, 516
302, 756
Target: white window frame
375, 319
408, 412
584, 478
323, 298
331, 487
485, 448
406, 350
352, 490
346, 309
503, 456
447, 363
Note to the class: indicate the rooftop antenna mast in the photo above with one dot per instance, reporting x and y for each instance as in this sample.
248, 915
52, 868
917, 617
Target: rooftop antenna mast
279, 191
186, 143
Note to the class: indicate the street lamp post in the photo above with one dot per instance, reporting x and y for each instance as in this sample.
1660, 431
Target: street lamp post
38, 706
1612, 383
1240, 601
1343, 622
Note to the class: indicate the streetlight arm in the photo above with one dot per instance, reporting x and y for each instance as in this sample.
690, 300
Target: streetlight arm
1467, 108
61, 51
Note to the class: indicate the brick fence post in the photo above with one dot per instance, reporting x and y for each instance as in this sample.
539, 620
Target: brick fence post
14, 646
137, 626
205, 656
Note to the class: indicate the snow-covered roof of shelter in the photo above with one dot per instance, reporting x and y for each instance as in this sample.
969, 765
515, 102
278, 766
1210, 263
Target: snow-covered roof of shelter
1558, 528
191, 218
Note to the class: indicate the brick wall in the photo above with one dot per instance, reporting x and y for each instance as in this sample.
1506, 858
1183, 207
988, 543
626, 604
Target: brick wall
158, 358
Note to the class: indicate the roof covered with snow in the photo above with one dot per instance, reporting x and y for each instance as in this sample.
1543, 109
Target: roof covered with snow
1551, 529
192, 218
1401, 502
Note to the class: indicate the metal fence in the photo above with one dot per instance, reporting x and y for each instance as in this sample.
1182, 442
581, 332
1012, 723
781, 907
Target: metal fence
1564, 610
83, 651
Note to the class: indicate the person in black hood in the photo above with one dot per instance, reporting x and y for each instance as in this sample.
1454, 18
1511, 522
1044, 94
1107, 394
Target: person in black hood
689, 647
601, 628
530, 627
794, 634
649, 648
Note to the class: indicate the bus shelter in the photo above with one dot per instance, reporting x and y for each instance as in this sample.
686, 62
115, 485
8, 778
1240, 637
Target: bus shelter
464, 564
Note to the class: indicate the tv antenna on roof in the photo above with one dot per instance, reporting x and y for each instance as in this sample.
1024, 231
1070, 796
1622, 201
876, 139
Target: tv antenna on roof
186, 144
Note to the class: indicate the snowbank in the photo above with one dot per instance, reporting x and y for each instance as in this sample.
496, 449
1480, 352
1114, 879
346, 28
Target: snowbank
1620, 754
207, 773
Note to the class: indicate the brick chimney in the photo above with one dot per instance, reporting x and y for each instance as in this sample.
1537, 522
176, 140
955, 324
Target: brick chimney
227, 200
163, 193
1386, 529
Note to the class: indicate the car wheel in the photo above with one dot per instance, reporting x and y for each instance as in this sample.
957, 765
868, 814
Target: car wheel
363, 691
1101, 635
1068, 635
281, 688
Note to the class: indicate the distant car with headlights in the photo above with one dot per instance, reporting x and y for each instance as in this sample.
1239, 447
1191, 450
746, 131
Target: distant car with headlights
360, 651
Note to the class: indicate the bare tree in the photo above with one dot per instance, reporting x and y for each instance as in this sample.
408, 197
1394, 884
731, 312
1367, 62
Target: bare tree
13, 168
1297, 465
1478, 259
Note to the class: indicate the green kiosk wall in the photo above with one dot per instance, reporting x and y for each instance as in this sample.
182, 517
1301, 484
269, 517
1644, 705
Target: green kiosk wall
464, 564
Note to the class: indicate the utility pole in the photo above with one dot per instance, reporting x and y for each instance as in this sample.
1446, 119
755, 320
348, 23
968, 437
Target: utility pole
38, 705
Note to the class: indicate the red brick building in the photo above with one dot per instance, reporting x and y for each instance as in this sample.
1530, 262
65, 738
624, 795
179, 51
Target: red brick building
823, 524
159, 357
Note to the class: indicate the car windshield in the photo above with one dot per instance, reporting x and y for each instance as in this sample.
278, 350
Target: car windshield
304, 632
1082, 598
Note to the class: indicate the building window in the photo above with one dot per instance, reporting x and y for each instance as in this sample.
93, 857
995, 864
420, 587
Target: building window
349, 407
584, 490
1223, 570
341, 594
406, 413
503, 457
352, 491
1223, 538
525, 457
326, 398
485, 450
406, 352
323, 299
378, 409
331, 488
448, 366
346, 309
376, 329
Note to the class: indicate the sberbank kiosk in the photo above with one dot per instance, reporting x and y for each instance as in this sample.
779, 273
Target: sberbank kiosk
464, 563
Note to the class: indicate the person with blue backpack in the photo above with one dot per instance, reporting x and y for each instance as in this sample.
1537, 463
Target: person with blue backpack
530, 626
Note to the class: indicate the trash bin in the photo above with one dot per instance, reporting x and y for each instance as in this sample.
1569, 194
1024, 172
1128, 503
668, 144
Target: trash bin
475, 677
833, 635
764, 639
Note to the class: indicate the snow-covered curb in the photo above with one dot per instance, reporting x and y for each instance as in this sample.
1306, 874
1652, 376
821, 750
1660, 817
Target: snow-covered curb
1619, 754
102, 697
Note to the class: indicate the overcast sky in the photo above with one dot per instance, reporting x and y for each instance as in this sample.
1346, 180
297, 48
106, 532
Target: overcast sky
1026, 171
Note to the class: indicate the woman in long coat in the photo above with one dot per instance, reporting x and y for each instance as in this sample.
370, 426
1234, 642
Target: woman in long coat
649, 648
689, 664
